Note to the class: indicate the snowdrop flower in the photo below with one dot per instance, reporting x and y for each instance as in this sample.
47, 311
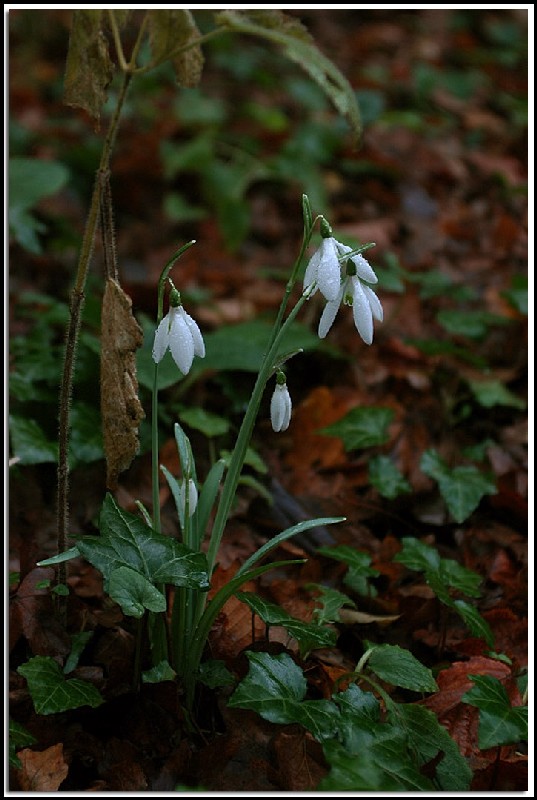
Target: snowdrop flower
324, 271
365, 303
280, 405
179, 332
192, 496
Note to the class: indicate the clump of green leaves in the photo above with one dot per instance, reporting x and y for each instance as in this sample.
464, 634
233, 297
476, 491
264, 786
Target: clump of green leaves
367, 748
448, 579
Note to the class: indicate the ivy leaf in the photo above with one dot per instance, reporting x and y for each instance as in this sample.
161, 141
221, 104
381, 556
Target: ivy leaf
31, 179
205, 421
331, 602
390, 755
89, 69
126, 541
160, 672
78, 644
386, 478
383, 766
462, 487
473, 324
134, 593
360, 717
399, 667
308, 635
275, 687
362, 427
214, 673
493, 393
51, 692
427, 737
441, 574
30, 443
19, 738
358, 564
476, 624
499, 722
418, 556
299, 46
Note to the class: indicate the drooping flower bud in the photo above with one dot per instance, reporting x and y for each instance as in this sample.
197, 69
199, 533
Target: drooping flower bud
280, 405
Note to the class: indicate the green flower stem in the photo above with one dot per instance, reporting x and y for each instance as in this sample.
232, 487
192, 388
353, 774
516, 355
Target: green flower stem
232, 480
154, 453
159, 632
308, 232
203, 628
243, 439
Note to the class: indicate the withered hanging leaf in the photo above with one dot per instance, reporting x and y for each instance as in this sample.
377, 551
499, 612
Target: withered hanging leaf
89, 69
121, 409
170, 30
299, 46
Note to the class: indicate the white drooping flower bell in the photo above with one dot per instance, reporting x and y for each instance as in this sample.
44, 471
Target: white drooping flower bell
180, 333
343, 278
365, 305
280, 405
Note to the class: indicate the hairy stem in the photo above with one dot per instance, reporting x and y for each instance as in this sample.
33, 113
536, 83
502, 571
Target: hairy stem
71, 342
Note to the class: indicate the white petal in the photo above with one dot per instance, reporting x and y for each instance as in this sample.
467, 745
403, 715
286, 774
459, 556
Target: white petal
181, 342
361, 311
199, 344
162, 339
310, 276
329, 273
280, 408
327, 318
363, 269
374, 302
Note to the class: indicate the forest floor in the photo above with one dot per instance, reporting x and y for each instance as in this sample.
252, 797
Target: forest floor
440, 185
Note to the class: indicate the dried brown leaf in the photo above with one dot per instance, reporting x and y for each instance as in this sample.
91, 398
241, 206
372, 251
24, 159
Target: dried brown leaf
42, 771
89, 69
172, 29
121, 409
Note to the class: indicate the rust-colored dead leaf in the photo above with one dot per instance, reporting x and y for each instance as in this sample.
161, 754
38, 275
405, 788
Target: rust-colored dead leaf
299, 760
42, 771
121, 409
311, 451
236, 626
